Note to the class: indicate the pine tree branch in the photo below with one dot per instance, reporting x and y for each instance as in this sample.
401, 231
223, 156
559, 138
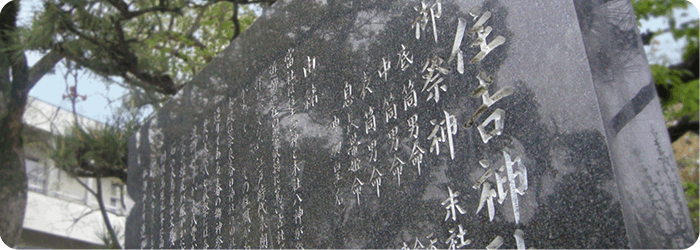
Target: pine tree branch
43, 66
123, 9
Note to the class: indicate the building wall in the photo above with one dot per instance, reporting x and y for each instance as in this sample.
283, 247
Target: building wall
59, 209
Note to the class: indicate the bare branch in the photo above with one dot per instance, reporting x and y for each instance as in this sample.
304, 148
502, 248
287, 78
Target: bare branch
76, 219
86, 187
100, 202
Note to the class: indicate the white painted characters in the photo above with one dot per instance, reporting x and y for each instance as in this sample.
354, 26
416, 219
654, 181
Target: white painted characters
421, 21
451, 205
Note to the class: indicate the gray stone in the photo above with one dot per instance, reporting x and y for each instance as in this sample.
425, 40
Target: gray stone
331, 124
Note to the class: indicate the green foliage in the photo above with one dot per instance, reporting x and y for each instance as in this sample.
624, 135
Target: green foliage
691, 196
94, 152
645, 9
685, 93
158, 38
681, 83
689, 31
667, 77
183, 53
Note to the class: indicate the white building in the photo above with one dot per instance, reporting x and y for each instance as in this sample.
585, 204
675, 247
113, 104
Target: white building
61, 213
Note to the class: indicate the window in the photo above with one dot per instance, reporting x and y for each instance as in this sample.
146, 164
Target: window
114, 201
115, 196
114, 190
36, 175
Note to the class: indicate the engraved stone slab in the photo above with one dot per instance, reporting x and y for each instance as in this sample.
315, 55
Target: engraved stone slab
415, 124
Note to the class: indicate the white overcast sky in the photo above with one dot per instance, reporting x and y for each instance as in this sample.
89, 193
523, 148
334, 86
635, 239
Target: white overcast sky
52, 86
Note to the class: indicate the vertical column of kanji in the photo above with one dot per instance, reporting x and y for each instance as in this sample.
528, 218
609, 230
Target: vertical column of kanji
444, 125
337, 167
155, 180
433, 75
444, 130
457, 234
162, 161
173, 169
230, 132
206, 184
152, 230
337, 157
262, 88
144, 211
351, 130
426, 13
183, 166
193, 164
409, 100
370, 122
405, 97
276, 168
296, 181
487, 192
259, 221
249, 157
369, 107
217, 180
310, 101
338, 179
279, 210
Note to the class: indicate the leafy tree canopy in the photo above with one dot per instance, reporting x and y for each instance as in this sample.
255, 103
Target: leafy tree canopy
151, 47
677, 84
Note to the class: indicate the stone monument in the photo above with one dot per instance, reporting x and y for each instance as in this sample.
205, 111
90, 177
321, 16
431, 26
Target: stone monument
415, 124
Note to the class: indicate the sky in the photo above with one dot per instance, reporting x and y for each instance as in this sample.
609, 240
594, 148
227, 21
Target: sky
103, 99
669, 46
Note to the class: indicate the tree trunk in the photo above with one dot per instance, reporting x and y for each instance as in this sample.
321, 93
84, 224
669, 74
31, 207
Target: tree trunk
13, 180
103, 210
236, 22
13, 98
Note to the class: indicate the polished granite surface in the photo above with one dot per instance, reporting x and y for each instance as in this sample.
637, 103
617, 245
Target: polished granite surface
391, 124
